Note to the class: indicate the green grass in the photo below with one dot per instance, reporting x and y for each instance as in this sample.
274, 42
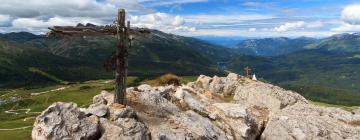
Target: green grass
24, 134
52, 77
79, 93
186, 79
347, 108
316, 74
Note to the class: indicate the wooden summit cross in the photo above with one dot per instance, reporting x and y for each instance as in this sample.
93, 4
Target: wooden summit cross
247, 72
119, 60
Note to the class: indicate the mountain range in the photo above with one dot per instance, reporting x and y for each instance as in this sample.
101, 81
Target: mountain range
320, 69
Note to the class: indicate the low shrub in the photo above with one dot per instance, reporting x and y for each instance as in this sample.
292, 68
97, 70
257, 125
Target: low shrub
166, 79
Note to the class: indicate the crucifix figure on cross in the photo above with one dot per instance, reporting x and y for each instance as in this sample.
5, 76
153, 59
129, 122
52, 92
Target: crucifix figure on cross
119, 60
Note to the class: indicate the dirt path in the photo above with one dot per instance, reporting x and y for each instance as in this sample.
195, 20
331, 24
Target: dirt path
12, 91
16, 112
58, 89
12, 129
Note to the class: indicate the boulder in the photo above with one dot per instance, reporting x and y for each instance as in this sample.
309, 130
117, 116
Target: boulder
65, 121
144, 88
118, 111
153, 100
198, 126
187, 100
310, 122
244, 122
233, 77
104, 97
99, 110
203, 81
356, 111
123, 129
194, 111
267, 95
171, 134
224, 86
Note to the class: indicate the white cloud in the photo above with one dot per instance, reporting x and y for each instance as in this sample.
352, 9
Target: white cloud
252, 29
262, 33
290, 26
40, 8
178, 21
346, 27
259, 4
33, 15
154, 3
208, 19
351, 19
161, 21
351, 14
64, 21
315, 24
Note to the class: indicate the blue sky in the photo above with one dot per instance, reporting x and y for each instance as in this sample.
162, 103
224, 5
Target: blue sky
226, 18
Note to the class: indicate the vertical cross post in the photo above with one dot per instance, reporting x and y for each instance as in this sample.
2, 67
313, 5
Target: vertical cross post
247, 72
121, 58
122, 31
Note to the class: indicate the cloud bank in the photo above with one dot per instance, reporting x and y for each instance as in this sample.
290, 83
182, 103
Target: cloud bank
251, 19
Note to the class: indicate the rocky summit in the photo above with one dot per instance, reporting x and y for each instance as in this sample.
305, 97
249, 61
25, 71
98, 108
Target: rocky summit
214, 108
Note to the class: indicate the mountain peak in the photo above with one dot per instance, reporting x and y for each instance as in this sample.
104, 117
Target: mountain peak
198, 111
21, 36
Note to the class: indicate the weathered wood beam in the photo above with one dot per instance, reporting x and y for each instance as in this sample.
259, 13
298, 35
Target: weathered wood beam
90, 31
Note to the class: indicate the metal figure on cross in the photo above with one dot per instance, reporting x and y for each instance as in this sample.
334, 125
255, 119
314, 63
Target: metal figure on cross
119, 58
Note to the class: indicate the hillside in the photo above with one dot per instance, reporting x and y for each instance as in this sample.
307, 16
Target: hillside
158, 53
18, 63
81, 59
340, 43
272, 46
316, 74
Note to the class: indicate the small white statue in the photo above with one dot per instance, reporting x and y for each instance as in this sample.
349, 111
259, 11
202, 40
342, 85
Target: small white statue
254, 77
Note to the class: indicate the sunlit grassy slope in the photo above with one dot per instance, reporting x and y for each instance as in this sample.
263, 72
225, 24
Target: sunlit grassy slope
80, 93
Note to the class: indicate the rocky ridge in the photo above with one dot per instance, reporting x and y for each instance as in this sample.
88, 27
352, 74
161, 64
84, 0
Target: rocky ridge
219, 108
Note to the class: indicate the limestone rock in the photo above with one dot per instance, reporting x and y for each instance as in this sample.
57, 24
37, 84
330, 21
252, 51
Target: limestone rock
104, 97
199, 110
65, 121
153, 99
356, 111
232, 110
186, 98
123, 129
171, 134
224, 86
263, 94
309, 122
244, 121
96, 109
233, 77
203, 81
199, 127
118, 111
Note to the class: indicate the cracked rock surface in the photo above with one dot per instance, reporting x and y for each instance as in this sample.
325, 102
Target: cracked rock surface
210, 108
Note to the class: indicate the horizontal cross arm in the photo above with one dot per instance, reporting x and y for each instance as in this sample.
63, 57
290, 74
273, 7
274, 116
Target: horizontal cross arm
90, 30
